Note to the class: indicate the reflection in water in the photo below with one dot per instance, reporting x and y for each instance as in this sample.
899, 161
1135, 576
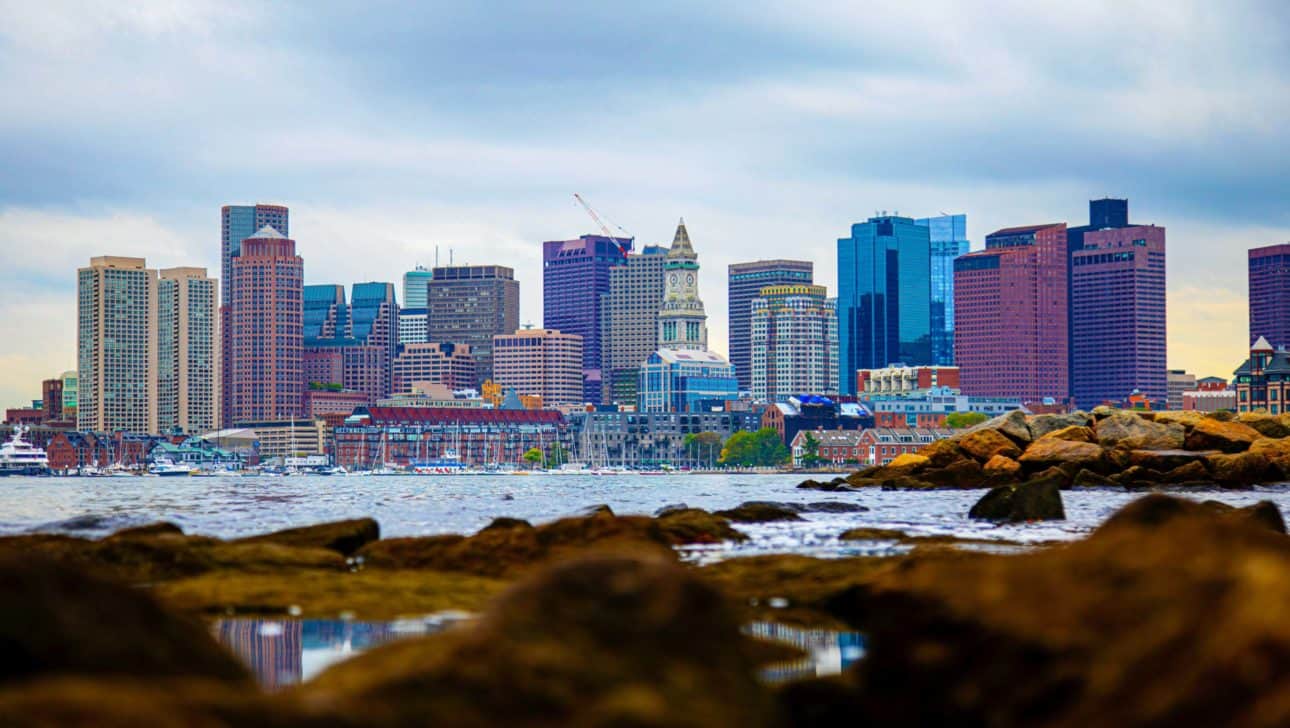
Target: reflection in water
283, 652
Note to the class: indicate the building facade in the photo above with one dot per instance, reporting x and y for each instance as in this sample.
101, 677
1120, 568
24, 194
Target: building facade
1263, 381
881, 445
414, 287
793, 331
188, 351
575, 280
744, 282
117, 346
265, 334
814, 412
1269, 280
682, 321
1011, 315
932, 407
629, 315
237, 223
451, 365
641, 439
1117, 300
540, 362
470, 304
412, 326
351, 344
684, 380
905, 380
475, 437
947, 235
1179, 381
884, 296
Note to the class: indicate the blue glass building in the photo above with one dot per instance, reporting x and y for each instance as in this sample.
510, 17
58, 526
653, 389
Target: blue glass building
884, 296
684, 380
948, 235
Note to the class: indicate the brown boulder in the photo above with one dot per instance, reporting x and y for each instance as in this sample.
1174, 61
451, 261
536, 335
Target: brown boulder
1090, 479
1186, 418
1038, 499
343, 537
1041, 425
1049, 452
1240, 469
906, 464
1013, 424
1211, 434
983, 444
1164, 460
1002, 465
693, 525
942, 452
961, 474
760, 512
1192, 472
1134, 432
1158, 509
1277, 451
1074, 433
1266, 424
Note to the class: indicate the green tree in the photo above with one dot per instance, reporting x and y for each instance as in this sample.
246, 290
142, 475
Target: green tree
556, 455
959, 420
762, 448
702, 447
533, 456
810, 450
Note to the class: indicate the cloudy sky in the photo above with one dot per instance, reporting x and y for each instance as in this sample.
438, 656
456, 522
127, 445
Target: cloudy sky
769, 126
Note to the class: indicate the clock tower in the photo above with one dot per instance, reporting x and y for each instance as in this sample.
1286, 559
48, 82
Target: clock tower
682, 322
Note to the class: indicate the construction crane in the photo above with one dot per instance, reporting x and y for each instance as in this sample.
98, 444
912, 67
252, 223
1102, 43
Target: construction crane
603, 227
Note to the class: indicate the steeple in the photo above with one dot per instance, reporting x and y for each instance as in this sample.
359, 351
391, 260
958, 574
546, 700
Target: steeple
682, 323
681, 247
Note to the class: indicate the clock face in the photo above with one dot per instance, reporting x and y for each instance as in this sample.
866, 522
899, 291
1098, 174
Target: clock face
689, 279
674, 279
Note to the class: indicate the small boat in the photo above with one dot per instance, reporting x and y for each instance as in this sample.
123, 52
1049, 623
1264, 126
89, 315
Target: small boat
19, 457
166, 468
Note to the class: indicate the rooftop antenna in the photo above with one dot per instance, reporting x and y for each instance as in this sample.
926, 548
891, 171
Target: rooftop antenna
436, 256
450, 257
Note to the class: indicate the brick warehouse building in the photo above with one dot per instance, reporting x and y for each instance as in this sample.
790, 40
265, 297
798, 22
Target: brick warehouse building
406, 435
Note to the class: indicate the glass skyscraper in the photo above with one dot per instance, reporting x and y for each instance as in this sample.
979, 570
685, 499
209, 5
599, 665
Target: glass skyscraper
948, 237
884, 296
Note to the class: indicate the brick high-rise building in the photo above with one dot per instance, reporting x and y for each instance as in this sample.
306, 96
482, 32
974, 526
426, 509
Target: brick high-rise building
237, 223
629, 315
451, 365
1269, 279
116, 346
1117, 301
744, 282
794, 335
188, 359
575, 278
264, 337
1011, 315
540, 362
470, 304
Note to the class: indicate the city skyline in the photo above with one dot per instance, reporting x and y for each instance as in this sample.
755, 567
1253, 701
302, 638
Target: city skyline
476, 176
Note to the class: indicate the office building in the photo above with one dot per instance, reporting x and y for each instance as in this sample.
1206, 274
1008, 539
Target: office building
948, 240
265, 334
542, 363
470, 435
794, 335
745, 282
905, 381
575, 279
629, 315
412, 326
932, 407
1269, 281
237, 223
116, 346
640, 439
1117, 301
71, 392
814, 412
470, 304
414, 287
351, 344
1178, 382
188, 351
451, 365
884, 296
1011, 315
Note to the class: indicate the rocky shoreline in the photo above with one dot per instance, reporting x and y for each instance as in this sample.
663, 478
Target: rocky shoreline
1172, 612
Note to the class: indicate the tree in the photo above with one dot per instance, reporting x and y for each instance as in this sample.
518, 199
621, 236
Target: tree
959, 420
556, 455
762, 448
810, 450
533, 456
702, 447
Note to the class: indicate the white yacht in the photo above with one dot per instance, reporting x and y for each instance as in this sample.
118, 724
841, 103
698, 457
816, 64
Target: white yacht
19, 457
166, 468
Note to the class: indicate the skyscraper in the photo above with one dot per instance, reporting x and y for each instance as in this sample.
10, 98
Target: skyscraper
629, 315
412, 326
884, 296
948, 239
351, 344
116, 346
794, 335
264, 337
541, 362
470, 304
448, 364
414, 287
1118, 316
188, 359
237, 223
1011, 315
575, 277
744, 283
1269, 279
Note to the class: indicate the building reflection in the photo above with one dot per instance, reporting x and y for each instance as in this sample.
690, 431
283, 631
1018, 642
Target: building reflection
827, 652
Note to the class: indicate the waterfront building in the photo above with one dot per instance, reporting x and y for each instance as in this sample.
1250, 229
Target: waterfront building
1263, 380
793, 332
1011, 316
744, 282
29, 416
604, 438
470, 304
629, 315
321, 401
451, 365
1117, 301
947, 236
72, 451
471, 436
412, 326
351, 344
575, 280
931, 407
1269, 283
295, 437
1211, 395
51, 400
884, 296
414, 287
117, 345
237, 223
265, 333
904, 380
434, 394
1178, 382
188, 351
829, 447
881, 445
541, 362
814, 412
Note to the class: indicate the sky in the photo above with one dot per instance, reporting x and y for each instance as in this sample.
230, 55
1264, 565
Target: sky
771, 127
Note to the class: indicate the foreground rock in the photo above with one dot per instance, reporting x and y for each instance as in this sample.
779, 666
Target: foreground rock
1038, 499
343, 537
761, 512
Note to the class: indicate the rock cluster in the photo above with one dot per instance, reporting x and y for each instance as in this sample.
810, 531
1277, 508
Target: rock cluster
1129, 449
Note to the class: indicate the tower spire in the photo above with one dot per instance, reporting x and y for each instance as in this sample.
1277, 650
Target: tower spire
681, 247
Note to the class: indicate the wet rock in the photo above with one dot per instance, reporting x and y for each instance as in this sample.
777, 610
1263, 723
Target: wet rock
1186, 418
1211, 434
696, 526
834, 507
1012, 424
1158, 509
906, 464
984, 444
1090, 479
1101, 412
1131, 431
942, 452
597, 642
1166, 459
1239, 469
1188, 473
343, 537
1038, 499
1048, 452
1221, 415
826, 701
60, 621
960, 474
1002, 465
1266, 424
1041, 425
760, 512
160, 528
505, 523
596, 510
1074, 433
1277, 451
1136, 476
674, 507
